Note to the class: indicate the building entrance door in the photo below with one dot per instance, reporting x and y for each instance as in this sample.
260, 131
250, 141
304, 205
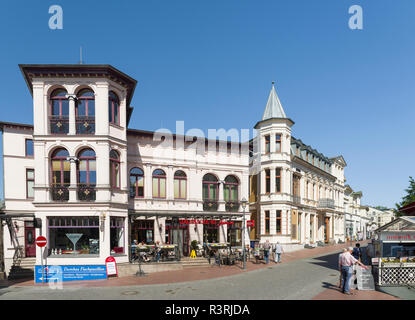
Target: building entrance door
178, 234
326, 229
30, 246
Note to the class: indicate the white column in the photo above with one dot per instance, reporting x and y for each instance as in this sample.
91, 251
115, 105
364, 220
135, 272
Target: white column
272, 177
73, 186
148, 190
72, 120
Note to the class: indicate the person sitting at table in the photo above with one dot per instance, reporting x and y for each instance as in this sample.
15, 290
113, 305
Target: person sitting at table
157, 250
133, 251
143, 255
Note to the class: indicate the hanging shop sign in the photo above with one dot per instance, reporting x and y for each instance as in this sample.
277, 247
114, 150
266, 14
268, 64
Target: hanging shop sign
204, 221
111, 266
250, 223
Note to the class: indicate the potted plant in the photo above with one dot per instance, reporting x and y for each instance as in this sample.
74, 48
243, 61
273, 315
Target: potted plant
194, 245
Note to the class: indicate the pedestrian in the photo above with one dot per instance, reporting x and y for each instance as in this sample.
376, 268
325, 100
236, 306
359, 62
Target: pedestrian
278, 251
347, 261
340, 267
357, 252
157, 250
267, 247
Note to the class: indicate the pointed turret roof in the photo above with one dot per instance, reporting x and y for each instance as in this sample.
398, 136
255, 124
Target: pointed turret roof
273, 108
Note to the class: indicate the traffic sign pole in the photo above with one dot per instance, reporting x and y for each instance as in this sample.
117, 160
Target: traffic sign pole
41, 241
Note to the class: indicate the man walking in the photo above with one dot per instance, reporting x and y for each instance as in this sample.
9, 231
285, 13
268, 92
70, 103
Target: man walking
340, 267
357, 252
267, 247
347, 261
278, 251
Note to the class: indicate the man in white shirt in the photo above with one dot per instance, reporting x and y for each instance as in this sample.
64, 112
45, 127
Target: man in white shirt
346, 261
278, 251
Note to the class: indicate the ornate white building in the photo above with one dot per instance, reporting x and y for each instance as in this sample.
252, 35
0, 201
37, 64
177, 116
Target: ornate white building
296, 194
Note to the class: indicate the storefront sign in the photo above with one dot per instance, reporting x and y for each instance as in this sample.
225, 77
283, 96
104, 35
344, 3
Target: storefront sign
196, 221
70, 273
111, 266
398, 236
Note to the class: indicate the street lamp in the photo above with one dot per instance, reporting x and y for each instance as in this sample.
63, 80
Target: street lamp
244, 203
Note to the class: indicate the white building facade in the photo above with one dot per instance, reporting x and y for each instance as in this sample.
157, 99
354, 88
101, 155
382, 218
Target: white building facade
296, 193
96, 185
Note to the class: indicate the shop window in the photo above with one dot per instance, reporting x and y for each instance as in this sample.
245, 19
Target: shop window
114, 108
115, 169
180, 185
267, 224
29, 148
73, 235
117, 235
136, 183
143, 230
235, 233
278, 222
159, 184
30, 182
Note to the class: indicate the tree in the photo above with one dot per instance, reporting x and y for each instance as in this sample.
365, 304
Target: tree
408, 198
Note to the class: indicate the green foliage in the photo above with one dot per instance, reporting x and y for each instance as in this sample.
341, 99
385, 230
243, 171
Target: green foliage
194, 244
408, 198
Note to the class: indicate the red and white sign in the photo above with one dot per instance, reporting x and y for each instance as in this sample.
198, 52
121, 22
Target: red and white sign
41, 241
111, 266
250, 223
403, 236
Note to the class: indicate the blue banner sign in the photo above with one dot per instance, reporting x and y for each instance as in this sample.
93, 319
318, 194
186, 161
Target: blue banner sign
70, 273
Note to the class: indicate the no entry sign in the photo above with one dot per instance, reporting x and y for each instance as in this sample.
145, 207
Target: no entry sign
41, 241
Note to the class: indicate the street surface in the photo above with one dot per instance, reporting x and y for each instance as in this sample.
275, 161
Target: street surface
300, 279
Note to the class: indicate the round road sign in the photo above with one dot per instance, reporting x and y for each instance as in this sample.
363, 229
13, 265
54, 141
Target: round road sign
41, 241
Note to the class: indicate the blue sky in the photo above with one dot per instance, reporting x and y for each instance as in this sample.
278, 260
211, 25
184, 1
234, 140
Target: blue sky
211, 63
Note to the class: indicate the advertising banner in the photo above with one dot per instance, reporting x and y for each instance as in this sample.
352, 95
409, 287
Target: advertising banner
70, 273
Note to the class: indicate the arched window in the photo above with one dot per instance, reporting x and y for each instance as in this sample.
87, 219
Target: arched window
210, 187
230, 189
61, 168
87, 172
59, 112
115, 169
85, 112
180, 184
159, 184
136, 183
114, 108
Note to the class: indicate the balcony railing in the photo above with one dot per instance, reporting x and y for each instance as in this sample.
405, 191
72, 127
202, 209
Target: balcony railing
59, 192
85, 124
326, 203
59, 124
210, 205
86, 192
232, 206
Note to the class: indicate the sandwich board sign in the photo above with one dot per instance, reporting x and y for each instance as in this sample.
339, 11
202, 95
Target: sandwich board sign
111, 266
365, 279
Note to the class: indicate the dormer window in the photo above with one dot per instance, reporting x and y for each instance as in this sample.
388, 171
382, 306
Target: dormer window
114, 108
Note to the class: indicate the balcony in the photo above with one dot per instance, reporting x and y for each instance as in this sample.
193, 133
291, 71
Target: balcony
210, 205
85, 124
326, 204
232, 206
86, 192
59, 192
59, 124
296, 199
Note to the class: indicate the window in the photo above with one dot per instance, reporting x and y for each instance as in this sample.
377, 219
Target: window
266, 222
143, 230
267, 181
230, 189
136, 183
85, 112
114, 169
278, 143
278, 180
210, 187
59, 112
29, 148
159, 184
267, 144
278, 222
61, 169
73, 235
117, 235
180, 182
296, 185
30, 182
87, 175
114, 108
